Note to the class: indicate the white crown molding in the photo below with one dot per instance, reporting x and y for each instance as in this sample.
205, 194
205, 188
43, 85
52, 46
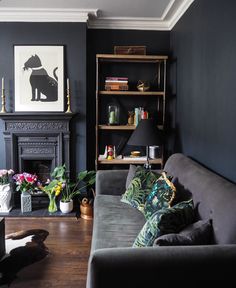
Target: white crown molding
173, 12
179, 13
169, 18
46, 15
168, 8
128, 23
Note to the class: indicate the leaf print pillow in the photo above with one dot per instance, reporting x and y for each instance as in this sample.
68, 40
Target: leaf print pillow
139, 188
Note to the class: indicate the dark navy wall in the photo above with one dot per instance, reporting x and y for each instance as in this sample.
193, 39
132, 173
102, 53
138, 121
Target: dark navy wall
73, 37
103, 41
204, 44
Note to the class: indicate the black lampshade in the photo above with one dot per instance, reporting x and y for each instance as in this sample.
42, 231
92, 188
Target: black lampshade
145, 134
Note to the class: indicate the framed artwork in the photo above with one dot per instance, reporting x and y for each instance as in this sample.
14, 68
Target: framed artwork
39, 78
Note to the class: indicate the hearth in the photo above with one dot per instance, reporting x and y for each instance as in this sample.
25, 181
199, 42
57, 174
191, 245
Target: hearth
37, 143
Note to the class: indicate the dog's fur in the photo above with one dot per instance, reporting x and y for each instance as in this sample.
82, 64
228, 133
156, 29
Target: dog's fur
41, 82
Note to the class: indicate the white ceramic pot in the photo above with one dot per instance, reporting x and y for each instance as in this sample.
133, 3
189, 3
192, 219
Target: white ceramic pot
5, 198
66, 207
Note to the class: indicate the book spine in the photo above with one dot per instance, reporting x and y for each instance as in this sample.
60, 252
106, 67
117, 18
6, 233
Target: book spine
116, 87
108, 82
117, 78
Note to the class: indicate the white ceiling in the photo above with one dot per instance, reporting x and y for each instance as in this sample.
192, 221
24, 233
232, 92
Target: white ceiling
109, 14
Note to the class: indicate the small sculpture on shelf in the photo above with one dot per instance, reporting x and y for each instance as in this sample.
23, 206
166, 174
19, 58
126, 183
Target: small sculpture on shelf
111, 152
130, 117
143, 86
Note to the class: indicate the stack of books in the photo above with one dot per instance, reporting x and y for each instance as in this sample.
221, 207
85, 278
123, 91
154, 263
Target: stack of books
116, 83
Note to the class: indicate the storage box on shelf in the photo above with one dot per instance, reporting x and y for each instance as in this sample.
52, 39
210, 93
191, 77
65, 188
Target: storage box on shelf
111, 68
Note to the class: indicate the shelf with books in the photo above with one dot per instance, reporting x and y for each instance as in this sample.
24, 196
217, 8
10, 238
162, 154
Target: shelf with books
117, 78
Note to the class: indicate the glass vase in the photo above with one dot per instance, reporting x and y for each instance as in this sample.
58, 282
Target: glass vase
113, 115
52, 207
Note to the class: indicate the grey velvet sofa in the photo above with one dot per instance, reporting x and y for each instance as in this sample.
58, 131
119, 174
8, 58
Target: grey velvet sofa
114, 263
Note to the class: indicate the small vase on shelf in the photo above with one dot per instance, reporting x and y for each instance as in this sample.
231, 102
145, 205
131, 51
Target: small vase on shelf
52, 207
26, 203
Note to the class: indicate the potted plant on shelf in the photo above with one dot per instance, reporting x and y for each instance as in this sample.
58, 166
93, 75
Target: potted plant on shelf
5, 189
85, 179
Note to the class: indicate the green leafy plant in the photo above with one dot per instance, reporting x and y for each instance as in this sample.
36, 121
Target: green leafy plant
84, 181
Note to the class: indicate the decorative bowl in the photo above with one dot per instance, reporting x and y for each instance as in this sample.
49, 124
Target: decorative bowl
135, 153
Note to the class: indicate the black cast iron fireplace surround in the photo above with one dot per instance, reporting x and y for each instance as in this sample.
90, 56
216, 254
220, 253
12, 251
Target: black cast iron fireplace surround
37, 142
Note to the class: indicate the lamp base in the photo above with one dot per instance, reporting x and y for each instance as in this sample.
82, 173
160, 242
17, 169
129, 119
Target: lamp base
147, 166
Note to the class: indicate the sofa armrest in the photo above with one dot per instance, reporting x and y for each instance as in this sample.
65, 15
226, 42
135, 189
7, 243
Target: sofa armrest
176, 266
111, 182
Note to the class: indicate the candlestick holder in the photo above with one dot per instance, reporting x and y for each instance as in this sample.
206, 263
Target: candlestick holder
68, 102
3, 110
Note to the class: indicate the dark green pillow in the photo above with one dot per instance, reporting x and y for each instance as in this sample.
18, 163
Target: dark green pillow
162, 194
140, 186
166, 220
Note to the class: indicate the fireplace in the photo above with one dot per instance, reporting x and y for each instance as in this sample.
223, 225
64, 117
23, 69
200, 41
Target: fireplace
37, 143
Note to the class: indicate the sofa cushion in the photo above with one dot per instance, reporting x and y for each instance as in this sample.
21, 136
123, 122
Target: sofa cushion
198, 233
116, 224
166, 220
161, 195
131, 175
139, 188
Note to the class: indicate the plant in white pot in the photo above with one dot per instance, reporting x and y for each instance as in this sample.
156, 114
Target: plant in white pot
84, 180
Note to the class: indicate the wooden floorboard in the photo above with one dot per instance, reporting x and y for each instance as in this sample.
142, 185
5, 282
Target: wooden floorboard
69, 243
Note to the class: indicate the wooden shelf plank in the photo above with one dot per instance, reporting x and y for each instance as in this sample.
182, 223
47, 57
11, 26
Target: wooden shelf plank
143, 58
121, 161
116, 127
121, 127
138, 93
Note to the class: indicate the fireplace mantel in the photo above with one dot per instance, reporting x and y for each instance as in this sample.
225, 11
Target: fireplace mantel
36, 115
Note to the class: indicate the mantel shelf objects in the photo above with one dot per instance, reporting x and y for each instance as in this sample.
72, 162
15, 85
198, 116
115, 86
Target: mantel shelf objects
127, 68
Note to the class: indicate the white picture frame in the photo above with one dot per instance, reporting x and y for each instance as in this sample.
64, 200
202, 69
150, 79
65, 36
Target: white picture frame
39, 78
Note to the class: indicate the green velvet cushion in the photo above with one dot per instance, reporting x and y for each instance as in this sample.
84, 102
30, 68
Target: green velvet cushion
166, 220
140, 186
161, 196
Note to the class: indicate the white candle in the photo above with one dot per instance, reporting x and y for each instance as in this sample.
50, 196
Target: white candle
68, 85
2, 83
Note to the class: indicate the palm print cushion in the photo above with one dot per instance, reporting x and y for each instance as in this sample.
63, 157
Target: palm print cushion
139, 188
164, 221
161, 196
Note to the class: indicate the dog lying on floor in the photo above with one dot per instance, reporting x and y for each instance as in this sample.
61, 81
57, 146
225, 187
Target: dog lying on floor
23, 248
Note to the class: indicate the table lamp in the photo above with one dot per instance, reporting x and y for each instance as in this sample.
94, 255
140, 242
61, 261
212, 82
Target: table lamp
146, 134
